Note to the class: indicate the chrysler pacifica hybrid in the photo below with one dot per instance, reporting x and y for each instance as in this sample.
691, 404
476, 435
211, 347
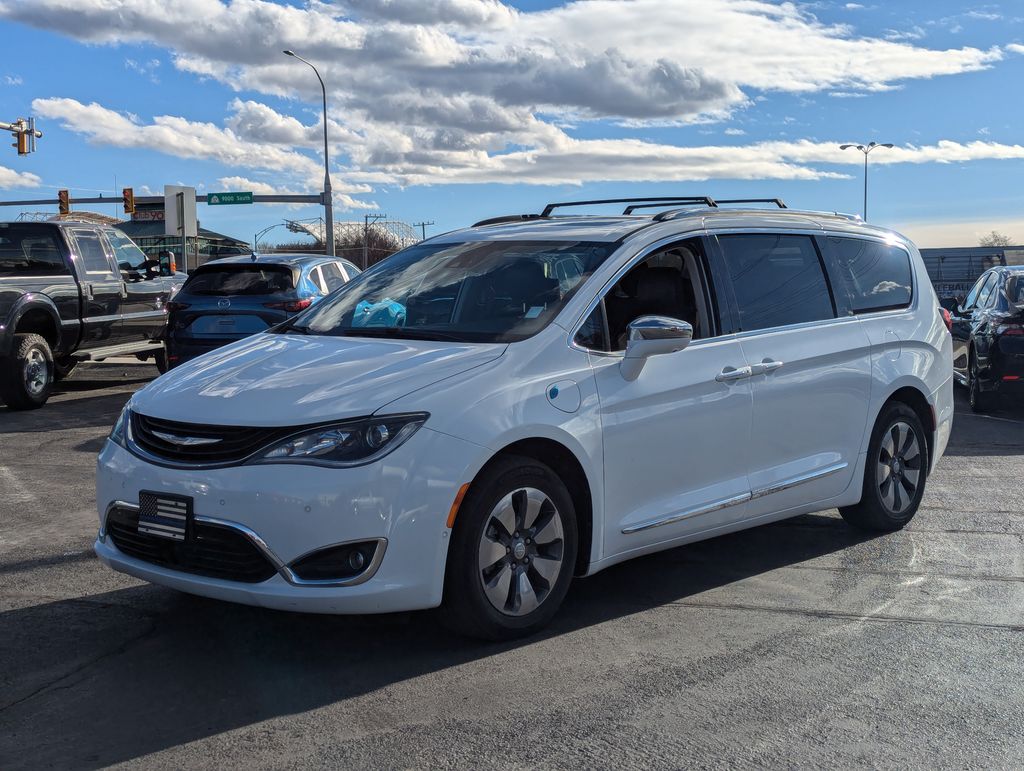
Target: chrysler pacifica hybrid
485, 415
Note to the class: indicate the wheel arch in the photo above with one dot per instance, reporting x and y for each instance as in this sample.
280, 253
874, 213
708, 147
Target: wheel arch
915, 398
35, 315
570, 470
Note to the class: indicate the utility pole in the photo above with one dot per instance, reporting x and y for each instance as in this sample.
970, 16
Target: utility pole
366, 236
423, 228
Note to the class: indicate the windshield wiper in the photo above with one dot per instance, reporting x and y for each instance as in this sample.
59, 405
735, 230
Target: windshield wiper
409, 333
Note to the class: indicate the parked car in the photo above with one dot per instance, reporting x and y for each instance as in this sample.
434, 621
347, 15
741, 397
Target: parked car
70, 292
486, 414
234, 297
988, 337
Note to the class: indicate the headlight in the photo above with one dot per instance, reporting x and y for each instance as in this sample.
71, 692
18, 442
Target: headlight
350, 443
118, 434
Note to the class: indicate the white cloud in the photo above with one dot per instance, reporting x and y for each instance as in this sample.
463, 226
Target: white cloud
475, 90
12, 80
265, 188
146, 69
1015, 48
17, 180
734, 132
854, 7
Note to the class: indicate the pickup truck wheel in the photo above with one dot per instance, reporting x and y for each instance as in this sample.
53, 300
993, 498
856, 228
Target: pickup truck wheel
26, 376
63, 368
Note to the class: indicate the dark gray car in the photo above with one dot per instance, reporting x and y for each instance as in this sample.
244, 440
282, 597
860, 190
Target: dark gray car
234, 297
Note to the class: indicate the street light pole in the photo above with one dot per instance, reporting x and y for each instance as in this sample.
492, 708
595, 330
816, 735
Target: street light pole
328, 197
866, 149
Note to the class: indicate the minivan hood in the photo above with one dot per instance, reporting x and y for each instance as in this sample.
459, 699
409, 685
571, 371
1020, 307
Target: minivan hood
289, 380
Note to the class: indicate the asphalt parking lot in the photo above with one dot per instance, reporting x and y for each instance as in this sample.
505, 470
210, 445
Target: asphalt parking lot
798, 644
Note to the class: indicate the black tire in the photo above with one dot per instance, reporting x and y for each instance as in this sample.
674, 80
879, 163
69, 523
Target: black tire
26, 376
160, 359
62, 369
907, 472
978, 399
466, 608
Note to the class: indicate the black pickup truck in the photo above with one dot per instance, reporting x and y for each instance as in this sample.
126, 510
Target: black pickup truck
71, 292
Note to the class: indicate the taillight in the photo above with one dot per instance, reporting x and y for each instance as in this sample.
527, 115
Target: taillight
947, 319
176, 306
291, 306
1010, 329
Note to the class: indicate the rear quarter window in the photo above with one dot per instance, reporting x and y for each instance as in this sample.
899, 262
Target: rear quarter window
30, 250
240, 280
875, 276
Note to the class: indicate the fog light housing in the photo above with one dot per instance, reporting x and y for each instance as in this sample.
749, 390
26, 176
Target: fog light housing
342, 563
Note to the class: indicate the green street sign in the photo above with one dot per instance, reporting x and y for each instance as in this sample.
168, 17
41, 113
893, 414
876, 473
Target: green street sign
224, 199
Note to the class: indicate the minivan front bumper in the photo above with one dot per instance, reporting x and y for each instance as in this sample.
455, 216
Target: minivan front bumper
289, 510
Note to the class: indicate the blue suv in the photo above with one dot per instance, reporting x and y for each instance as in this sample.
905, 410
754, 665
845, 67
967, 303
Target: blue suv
234, 297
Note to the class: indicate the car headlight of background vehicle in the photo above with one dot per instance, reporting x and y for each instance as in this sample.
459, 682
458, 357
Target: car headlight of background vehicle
348, 443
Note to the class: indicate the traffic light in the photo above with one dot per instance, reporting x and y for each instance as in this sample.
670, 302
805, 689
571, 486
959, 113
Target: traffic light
128, 199
21, 143
64, 201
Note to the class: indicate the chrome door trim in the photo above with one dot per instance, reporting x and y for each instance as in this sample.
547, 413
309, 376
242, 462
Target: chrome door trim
737, 499
810, 476
694, 512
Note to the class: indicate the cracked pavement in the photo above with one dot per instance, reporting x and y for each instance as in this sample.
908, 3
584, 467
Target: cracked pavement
803, 643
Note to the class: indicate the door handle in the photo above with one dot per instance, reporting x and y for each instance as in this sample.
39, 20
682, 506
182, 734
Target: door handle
766, 366
730, 374
124, 290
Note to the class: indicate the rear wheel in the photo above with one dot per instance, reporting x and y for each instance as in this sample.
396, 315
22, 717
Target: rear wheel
895, 472
980, 401
513, 552
26, 376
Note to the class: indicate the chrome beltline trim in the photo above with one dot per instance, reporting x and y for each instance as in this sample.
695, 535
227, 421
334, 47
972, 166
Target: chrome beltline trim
737, 499
810, 476
283, 570
695, 512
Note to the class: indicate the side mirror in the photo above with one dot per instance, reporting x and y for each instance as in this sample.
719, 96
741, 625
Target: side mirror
951, 304
166, 261
651, 336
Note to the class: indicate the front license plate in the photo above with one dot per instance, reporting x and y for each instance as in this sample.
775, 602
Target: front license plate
164, 515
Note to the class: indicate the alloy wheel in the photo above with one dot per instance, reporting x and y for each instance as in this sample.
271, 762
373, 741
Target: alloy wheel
899, 467
521, 550
37, 372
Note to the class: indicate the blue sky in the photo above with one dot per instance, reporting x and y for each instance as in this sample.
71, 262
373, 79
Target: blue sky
456, 110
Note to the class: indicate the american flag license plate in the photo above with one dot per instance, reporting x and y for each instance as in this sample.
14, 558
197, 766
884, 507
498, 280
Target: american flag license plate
164, 515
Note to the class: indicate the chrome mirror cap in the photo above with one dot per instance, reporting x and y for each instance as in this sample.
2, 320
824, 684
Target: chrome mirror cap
651, 336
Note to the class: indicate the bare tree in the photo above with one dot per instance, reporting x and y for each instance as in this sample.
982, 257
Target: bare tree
995, 238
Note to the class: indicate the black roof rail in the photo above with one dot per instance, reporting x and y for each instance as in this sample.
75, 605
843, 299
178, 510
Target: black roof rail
777, 201
506, 218
663, 198
701, 199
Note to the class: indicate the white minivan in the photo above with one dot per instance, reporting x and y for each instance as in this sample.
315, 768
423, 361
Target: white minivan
485, 415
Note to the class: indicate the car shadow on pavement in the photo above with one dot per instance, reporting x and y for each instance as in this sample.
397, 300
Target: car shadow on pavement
112, 677
999, 431
86, 412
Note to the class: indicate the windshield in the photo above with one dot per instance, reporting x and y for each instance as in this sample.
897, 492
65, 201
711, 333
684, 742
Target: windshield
479, 291
240, 280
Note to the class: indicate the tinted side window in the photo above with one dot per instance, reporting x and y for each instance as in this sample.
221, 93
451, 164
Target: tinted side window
986, 292
876, 276
92, 252
972, 296
30, 250
777, 279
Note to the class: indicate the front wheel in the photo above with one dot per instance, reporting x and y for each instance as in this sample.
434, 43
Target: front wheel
513, 552
895, 472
